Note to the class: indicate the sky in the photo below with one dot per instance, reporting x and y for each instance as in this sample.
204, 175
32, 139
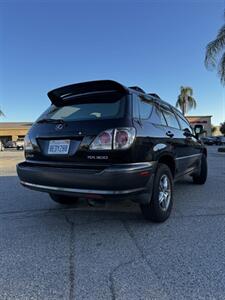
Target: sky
157, 45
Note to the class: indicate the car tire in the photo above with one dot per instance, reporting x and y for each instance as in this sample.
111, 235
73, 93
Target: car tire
63, 199
202, 176
160, 205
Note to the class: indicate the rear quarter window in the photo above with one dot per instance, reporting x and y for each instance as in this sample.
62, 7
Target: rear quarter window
141, 108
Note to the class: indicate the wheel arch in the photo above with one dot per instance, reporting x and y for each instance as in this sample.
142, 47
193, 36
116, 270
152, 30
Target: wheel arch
169, 161
204, 151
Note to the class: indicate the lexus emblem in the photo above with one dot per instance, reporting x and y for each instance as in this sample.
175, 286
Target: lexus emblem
59, 126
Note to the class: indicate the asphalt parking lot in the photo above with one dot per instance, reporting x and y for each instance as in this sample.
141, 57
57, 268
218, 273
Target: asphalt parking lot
52, 252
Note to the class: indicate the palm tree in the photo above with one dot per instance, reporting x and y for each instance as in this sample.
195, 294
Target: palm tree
215, 54
185, 100
1, 113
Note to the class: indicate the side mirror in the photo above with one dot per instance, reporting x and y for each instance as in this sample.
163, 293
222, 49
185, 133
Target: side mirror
199, 129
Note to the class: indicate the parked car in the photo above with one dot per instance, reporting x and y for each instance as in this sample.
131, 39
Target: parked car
10, 144
20, 143
102, 140
207, 140
220, 140
2, 148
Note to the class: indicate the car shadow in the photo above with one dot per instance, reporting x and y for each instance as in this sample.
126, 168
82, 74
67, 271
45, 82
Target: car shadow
17, 200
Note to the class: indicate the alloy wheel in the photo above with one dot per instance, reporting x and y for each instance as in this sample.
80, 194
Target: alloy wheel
164, 192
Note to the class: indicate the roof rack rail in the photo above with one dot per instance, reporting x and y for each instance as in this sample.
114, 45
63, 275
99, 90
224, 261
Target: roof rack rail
137, 88
154, 95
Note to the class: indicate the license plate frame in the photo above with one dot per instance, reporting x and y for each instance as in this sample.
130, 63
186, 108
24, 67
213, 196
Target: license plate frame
58, 147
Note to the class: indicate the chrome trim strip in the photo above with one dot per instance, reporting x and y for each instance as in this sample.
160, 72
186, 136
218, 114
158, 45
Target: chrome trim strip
79, 191
188, 156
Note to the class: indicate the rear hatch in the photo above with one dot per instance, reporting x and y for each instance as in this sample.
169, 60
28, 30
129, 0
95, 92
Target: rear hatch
79, 113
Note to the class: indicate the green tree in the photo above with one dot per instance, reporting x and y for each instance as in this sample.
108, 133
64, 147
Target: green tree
185, 99
222, 128
215, 54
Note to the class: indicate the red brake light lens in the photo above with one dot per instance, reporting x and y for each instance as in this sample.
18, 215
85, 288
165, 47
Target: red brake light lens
119, 138
104, 137
123, 137
103, 141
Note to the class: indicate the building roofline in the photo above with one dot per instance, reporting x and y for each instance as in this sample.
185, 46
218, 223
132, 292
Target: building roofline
15, 125
199, 116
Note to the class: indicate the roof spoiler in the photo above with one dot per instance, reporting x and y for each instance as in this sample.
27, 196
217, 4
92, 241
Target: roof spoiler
60, 95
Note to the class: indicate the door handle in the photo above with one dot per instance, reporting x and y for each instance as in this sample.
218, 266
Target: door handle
170, 134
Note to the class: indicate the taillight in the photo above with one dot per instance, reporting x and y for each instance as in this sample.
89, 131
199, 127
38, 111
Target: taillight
105, 138
119, 138
123, 138
103, 141
27, 143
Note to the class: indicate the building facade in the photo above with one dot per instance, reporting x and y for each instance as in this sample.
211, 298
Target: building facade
205, 121
11, 131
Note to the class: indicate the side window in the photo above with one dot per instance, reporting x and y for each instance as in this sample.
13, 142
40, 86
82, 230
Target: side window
136, 107
141, 108
170, 118
157, 117
184, 124
145, 109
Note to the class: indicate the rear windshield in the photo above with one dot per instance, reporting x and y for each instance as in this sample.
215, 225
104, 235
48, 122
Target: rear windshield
96, 109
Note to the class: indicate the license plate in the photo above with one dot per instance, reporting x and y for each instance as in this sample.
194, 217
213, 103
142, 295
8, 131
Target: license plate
59, 147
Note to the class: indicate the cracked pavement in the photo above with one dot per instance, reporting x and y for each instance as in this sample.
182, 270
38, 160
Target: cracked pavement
49, 251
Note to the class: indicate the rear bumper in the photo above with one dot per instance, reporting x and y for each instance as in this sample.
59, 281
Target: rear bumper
122, 180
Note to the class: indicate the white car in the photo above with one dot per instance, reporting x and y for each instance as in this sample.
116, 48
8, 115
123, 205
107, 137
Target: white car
20, 144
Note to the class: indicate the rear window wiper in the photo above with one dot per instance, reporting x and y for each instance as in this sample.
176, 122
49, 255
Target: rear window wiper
54, 121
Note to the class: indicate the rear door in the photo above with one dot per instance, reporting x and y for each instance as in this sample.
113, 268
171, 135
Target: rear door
193, 147
149, 132
176, 140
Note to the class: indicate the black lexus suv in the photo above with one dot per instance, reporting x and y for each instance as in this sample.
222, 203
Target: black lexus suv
100, 139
